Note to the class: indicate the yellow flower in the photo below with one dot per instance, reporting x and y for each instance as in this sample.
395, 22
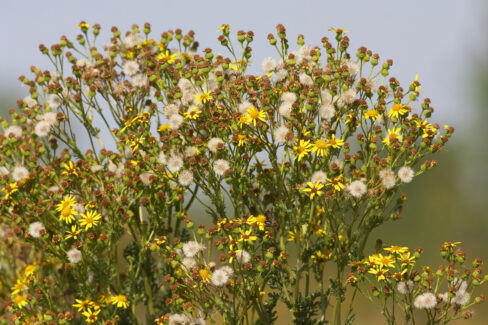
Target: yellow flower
83, 25
69, 169
169, 57
407, 259
91, 315
29, 270
379, 272
205, 275
242, 139
120, 301
335, 143
302, 149
224, 27
397, 110
9, 189
427, 129
319, 258
396, 249
338, 30
247, 236
18, 286
393, 136
68, 201
83, 305
314, 189
20, 301
90, 219
292, 235
253, 114
204, 97
371, 114
417, 79
260, 220
316, 228
134, 144
164, 127
320, 148
66, 208
384, 261
192, 114
336, 183
73, 233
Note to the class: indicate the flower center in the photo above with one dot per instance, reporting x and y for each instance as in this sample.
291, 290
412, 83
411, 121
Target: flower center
320, 144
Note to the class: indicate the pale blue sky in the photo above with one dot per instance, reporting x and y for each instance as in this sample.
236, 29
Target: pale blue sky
439, 40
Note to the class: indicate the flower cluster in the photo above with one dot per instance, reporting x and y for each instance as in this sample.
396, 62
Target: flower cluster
105, 160
445, 294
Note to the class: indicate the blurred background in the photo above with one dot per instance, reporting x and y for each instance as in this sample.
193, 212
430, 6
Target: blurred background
442, 41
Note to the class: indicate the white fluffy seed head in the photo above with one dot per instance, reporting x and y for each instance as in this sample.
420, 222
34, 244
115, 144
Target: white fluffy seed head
347, 97
244, 106
285, 109
185, 85
229, 270
243, 257
220, 278
54, 101
405, 287
178, 319
132, 40
19, 173
425, 301
283, 135
42, 128
221, 166
268, 64
319, 176
289, 97
50, 118
146, 178
36, 229
405, 174
305, 79
357, 188
139, 81
326, 96
387, 178
336, 162
170, 109
281, 75
13, 130
215, 144
30, 102
4, 171
74, 255
174, 163
327, 111
162, 159
192, 248
175, 121
190, 152
96, 168
188, 263
352, 68
185, 178
130, 68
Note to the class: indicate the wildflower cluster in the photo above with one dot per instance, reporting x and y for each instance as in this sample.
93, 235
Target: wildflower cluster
400, 287
112, 151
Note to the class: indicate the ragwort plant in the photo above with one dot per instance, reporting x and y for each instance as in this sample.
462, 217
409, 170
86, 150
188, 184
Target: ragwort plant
294, 169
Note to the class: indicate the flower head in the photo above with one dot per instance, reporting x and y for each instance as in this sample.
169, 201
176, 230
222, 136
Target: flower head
120, 301
90, 219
